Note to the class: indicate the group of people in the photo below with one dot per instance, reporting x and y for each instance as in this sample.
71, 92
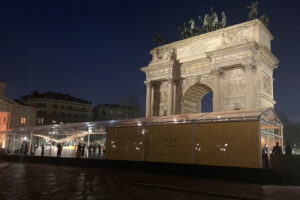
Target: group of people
276, 151
92, 151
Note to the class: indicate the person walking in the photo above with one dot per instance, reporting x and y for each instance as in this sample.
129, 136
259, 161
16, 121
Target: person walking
288, 149
59, 149
99, 150
90, 151
83, 150
94, 150
42, 150
277, 150
78, 153
265, 156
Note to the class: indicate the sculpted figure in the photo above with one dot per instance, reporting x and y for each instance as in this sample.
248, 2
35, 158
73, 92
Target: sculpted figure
156, 55
223, 23
169, 55
253, 10
265, 20
215, 21
205, 23
159, 40
193, 30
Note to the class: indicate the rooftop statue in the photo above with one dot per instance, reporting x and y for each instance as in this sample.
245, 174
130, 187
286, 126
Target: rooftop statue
223, 23
159, 40
265, 20
210, 22
253, 10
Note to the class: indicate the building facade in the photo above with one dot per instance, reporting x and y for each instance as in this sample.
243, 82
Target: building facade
104, 112
13, 115
234, 63
54, 108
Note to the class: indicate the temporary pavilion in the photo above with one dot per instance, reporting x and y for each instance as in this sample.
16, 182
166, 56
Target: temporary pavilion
231, 138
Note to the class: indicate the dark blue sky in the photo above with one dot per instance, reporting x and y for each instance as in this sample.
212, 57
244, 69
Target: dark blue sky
94, 49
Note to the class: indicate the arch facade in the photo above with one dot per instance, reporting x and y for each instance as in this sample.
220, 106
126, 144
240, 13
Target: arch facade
235, 63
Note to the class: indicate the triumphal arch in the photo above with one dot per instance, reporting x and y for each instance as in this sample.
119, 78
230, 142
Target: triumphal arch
234, 63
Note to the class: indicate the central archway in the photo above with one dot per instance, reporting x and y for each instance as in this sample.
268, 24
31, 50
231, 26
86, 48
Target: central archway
192, 98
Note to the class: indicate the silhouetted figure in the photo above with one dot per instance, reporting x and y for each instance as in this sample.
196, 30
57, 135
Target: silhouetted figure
43, 150
94, 150
83, 149
277, 150
59, 149
99, 150
78, 153
24, 148
265, 156
288, 149
90, 151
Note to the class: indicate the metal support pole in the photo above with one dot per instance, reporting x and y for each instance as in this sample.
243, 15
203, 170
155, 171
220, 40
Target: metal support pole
50, 149
13, 144
75, 148
8, 143
88, 144
194, 137
29, 146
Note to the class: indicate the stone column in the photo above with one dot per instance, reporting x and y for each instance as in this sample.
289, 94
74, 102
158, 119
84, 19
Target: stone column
250, 86
152, 101
174, 96
216, 90
170, 96
148, 98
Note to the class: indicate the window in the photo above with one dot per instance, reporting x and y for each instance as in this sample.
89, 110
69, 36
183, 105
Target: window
55, 106
40, 120
23, 120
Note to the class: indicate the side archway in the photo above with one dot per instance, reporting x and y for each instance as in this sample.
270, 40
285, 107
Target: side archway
192, 98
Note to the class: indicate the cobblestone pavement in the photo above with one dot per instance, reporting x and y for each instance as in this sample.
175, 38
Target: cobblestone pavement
37, 181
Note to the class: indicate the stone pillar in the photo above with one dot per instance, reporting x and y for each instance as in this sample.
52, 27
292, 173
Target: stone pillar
152, 101
250, 86
148, 98
174, 96
216, 90
170, 96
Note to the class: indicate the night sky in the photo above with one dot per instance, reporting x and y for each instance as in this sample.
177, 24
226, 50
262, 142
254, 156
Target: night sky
94, 49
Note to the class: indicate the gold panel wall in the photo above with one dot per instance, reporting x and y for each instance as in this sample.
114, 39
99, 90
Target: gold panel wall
234, 144
172, 143
125, 143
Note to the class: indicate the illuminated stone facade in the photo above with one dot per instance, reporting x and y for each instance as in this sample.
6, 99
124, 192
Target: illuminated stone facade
235, 63
56, 108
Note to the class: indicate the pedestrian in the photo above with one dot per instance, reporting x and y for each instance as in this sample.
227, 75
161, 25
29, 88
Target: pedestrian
94, 150
90, 151
99, 150
25, 148
42, 149
288, 149
277, 150
78, 153
265, 156
83, 149
59, 150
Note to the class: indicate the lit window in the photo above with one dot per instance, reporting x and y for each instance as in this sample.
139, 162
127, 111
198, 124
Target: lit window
40, 120
23, 120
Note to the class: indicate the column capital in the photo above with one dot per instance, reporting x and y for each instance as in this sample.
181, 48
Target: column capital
249, 67
148, 83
